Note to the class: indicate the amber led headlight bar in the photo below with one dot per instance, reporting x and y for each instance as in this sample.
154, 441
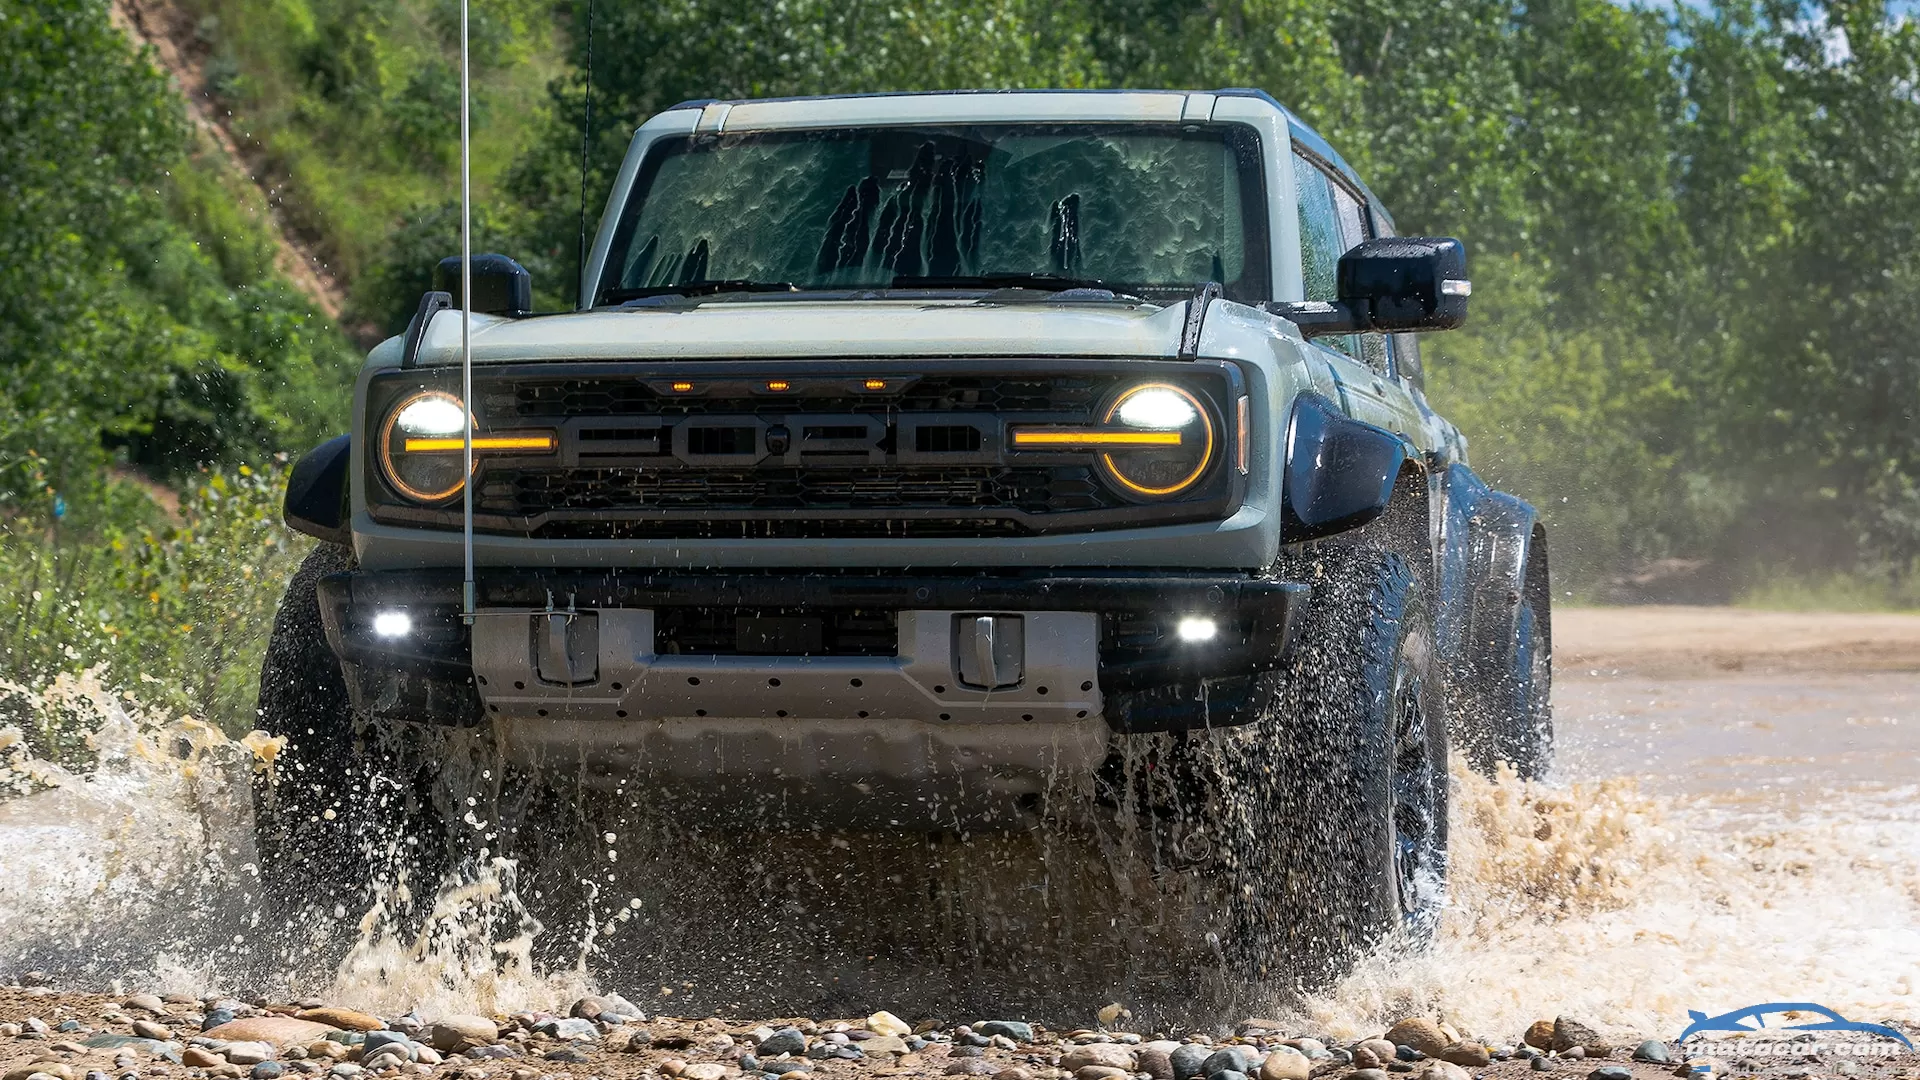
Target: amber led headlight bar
423, 443
1155, 440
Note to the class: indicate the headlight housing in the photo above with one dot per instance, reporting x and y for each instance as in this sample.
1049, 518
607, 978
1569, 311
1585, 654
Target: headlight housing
422, 446
1166, 468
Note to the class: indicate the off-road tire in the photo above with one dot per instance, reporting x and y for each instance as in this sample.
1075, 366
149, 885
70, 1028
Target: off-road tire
1342, 836
345, 803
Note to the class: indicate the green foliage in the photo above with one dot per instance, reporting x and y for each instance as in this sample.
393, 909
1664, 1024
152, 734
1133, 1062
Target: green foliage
175, 603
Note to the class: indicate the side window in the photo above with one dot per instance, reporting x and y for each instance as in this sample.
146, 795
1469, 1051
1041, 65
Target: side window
1323, 239
1354, 221
1406, 360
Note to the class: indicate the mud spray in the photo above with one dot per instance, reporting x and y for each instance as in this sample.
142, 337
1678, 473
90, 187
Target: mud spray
1591, 897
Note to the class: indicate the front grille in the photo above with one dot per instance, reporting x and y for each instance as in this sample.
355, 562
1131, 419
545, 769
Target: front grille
779, 632
527, 492
534, 399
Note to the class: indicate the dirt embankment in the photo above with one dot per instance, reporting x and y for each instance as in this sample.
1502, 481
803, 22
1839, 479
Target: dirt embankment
1692, 642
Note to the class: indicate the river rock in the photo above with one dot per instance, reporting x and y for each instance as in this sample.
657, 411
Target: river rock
1285, 1063
1540, 1034
1469, 1054
1569, 1033
1420, 1032
145, 1003
1364, 1058
267, 1070
1186, 1060
199, 1057
1155, 1062
1611, 1072
1015, 1072
1017, 1030
1097, 1072
785, 1041
1226, 1059
248, 1053
571, 1028
1444, 1070
1380, 1048
1653, 1050
273, 1030
704, 1070
884, 1044
1540, 1063
1367, 1074
460, 1031
59, 1069
885, 1023
150, 1029
1105, 1055
329, 1050
1574, 1052
344, 1019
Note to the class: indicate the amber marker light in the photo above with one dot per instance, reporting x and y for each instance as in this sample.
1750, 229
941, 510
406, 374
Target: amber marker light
539, 443
1243, 434
779, 385
876, 384
682, 387
1068, 437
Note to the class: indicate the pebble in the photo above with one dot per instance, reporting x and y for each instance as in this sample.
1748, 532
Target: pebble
267, 1070
52, 1068
248, 1053
345, 1069
784, 1041
148, 1029
1367, 1074
376, 1039
1156, 1063
1227, 1074
272, 1030
1653, 1050
1403, 1052
344, 1019
884, 1044
571, 1027
885, 1023
217, 1017
966, 1052
1611, 1072
456, 1032
1099, 1072
1106, 1055
1382, 1050
1285, 1063
964, 1067
1420, 1032
1364, 1058
1444, 1070
1015, 1073
1541, 1063
1186, 1061
1232, 1059
1569, 1033
1574, 1052
1540, 1034
200, 1057
1467, 1054
1017, 1030
145, 1003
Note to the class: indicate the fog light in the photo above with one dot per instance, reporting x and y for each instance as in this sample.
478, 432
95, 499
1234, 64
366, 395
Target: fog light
1192, 629
391, 624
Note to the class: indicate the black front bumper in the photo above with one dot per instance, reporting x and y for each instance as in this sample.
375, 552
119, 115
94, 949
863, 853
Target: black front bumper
1152, 680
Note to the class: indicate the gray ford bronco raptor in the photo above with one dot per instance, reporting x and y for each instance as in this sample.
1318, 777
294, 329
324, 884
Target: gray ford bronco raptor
940, 462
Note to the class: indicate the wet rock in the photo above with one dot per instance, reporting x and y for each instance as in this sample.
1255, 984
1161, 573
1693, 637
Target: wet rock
1286, 1063
1467, 1054
1540, 1034
329, 1050
248, 1053
1230, 1059
965, 1067
881, 1045
885, 1023
374, 1040
1574, 1052
1367, 1074
1155, 1062
217, 1017
1381, 1049
1403, 1052
1444, 1070
1540, 1063
1420, 1032
461, 1031
1186, 1060
571, 1028
150, 1003
1653, 1050
267, 1070
783, 1041
1104, 1055
1364, 1058
1611, 1072
273, 1030
149, 1029
571, 1056
199, 1057
67, 1046
1018, 1030
1569, 1033
344, 1019
346, 1070
1227, 1074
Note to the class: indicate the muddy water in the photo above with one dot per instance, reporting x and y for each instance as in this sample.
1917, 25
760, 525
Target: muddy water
1706, 843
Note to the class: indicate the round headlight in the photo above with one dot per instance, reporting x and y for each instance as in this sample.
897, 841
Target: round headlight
422, 446
1155, 472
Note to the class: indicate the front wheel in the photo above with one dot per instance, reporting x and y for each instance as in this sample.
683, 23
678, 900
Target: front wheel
1343, 841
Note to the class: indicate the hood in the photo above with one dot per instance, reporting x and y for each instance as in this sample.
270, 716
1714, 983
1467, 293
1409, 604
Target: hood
846, 328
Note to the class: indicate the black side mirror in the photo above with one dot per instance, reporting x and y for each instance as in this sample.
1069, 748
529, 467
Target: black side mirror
1396, 284
500, 285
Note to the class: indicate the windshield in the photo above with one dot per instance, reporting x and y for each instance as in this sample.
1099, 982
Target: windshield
1148, 209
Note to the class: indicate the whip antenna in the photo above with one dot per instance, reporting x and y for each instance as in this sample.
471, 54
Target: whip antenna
467, 598
586, 142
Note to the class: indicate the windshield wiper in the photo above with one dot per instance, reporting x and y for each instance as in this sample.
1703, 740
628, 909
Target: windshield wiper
1041, 282
700, 288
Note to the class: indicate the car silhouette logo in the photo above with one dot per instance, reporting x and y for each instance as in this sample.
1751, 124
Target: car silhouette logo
1731, 1021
